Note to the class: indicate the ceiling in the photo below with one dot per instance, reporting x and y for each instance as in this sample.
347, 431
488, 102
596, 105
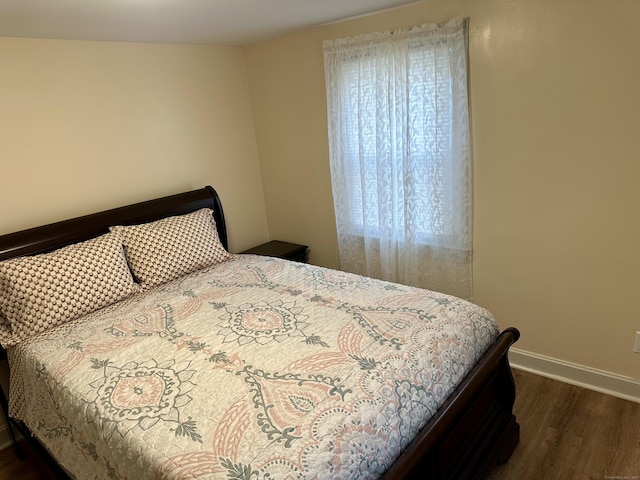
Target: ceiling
219, 22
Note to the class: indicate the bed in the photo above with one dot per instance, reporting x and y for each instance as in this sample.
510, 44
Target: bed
146, 350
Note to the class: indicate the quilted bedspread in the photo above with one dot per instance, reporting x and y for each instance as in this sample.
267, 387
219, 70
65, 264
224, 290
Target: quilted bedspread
257, 368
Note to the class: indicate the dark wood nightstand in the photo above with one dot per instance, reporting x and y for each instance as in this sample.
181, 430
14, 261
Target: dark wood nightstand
276, 248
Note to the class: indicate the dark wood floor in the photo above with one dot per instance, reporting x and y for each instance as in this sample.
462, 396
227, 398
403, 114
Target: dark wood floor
31, 468
567, 433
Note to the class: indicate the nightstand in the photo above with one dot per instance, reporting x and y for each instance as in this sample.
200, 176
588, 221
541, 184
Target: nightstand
276, 248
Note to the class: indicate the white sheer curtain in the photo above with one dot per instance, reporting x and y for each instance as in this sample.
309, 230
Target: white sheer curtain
400, 156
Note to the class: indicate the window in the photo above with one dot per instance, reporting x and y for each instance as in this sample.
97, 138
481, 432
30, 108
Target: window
399, 146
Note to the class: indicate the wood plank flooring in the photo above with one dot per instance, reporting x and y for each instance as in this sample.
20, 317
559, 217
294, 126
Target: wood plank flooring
31, 468
567, 433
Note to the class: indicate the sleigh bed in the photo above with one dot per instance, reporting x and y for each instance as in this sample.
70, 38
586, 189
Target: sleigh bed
140, 348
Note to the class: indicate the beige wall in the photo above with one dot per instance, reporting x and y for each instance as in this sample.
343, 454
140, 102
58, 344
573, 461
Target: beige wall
554, 96
86, 126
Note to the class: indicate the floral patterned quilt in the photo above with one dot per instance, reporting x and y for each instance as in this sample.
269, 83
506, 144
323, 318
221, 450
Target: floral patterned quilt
257, 368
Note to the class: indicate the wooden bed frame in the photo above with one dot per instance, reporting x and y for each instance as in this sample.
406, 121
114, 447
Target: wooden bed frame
473, 431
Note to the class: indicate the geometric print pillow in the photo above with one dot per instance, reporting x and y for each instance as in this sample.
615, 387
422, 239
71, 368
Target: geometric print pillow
41, 291
169, 248
6, 332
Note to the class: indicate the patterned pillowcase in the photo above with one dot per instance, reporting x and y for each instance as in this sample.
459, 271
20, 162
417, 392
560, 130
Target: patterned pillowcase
166, 249
42, 291
6, 332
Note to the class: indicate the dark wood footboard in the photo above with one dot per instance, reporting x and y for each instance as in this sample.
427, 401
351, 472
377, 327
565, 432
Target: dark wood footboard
474, 430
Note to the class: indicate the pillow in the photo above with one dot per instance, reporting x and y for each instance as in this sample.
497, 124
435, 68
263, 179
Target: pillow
42, 291
6, 332
171, 247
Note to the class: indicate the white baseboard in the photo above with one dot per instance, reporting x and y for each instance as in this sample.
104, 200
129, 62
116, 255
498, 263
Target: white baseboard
574, 374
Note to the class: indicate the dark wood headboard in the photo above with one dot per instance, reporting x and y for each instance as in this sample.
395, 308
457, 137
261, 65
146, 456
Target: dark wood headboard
55, 235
